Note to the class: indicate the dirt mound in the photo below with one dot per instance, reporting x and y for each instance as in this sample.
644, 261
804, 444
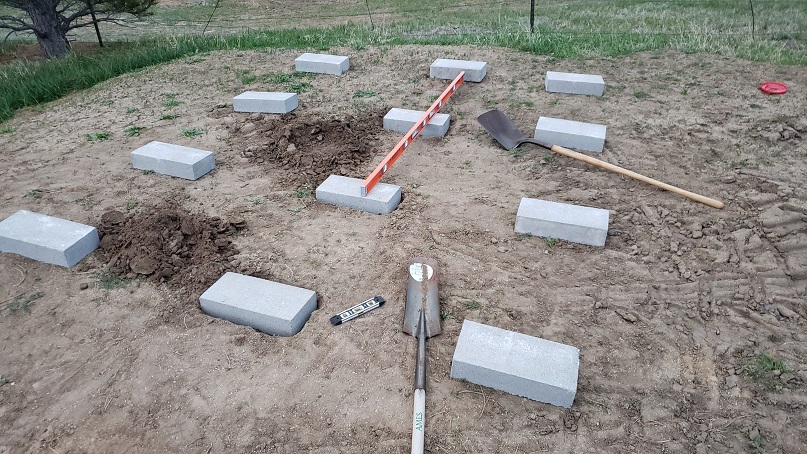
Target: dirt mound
308, 150
169, 244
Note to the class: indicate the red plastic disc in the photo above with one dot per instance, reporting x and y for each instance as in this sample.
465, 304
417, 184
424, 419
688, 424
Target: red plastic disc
773, 88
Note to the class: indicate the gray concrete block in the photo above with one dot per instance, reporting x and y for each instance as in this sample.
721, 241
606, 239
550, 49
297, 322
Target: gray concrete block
571, 134
575, 84
322, 64
46, 238
346, 192
402, 120
270, 307
265, 102
516, 363
444, 68
563, 221
174, 160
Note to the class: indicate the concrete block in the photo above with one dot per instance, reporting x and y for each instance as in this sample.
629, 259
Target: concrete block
575, 84
516, 363
270, 307
571, 134
46, 238
346, 192
265, 102
443, 68
402, 120
563, 221
322, 64
174, 160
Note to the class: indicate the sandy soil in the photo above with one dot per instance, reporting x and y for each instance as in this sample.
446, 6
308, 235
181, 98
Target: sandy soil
671, 317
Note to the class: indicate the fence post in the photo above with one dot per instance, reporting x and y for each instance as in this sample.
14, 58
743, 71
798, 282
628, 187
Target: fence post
532, 16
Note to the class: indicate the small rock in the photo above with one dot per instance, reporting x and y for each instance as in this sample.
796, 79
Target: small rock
697, 234
221, 105
502, 249
255, 116
802, 374
753, 434
787, 377
731, 381
84, 286
494, 241
598, 305
786, 312
229, 121
291, 148
247, 128
627, 316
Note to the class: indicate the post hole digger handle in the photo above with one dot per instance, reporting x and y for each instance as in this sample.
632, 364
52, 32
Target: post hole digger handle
629, 173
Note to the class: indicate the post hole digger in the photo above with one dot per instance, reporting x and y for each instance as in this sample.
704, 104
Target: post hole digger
502, 128
422, 320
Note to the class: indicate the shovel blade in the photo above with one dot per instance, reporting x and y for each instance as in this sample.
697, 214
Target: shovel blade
422, 297
502, 128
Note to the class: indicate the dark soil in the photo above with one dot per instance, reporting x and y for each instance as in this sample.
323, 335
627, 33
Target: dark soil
308, 149
168, 244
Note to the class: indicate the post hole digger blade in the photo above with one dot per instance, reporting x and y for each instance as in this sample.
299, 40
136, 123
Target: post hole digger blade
502, 128
422, 320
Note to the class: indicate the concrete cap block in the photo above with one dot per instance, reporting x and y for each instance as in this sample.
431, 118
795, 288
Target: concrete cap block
265, 102
576, 84
571, 134
346, 192
46, 238
270, 307
516, 363
322, 64
174, 160
402, 120
578, 224
444, 68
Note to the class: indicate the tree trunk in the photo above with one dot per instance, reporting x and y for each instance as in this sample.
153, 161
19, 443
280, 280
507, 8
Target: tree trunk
48, 28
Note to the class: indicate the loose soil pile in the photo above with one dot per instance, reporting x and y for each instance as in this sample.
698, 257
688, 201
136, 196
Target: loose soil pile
309, 148
169, 244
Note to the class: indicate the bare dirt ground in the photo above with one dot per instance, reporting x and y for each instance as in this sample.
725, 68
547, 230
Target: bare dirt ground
690, 321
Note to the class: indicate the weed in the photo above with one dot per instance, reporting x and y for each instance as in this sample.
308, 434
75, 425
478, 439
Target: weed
445, 314
171, 100
4, 380
303, 191
640, 95
547, 159
518, 152
96, 136
258, 201
168, 116
762, 368
248, 78
88, 202
131, 110
130, 205
756, 443
6, 129
195, 60
108, 281
147, 172
278, 78
550, 242
364, 94
554, 102
35, 193
192, 132
466, 164
473, 305
297, 210
133, 131
300, 87
755, 106
22, 303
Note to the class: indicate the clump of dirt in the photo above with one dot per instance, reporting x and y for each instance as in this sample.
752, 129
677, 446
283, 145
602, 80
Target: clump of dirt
169, 244
308, 150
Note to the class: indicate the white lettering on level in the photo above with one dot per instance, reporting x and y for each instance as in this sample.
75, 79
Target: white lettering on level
384, 170
406, 144
419, 421
431, 114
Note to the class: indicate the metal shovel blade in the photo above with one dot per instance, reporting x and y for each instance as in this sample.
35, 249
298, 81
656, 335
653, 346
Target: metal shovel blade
421, 296
502, 128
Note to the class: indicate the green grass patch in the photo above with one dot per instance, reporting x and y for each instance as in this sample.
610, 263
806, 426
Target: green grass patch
765, 371
192, 132
98, 136
583, 29
22, 303
108, 280
6, 129
169, 116
133, 131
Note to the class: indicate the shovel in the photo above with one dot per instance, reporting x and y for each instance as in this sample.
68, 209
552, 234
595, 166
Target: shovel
422, 320
502, 128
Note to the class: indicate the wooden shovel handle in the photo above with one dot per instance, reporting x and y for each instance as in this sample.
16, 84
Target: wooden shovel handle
629, 173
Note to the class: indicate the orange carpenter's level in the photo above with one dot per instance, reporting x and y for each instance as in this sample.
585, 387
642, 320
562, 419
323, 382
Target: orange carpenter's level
375, 176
